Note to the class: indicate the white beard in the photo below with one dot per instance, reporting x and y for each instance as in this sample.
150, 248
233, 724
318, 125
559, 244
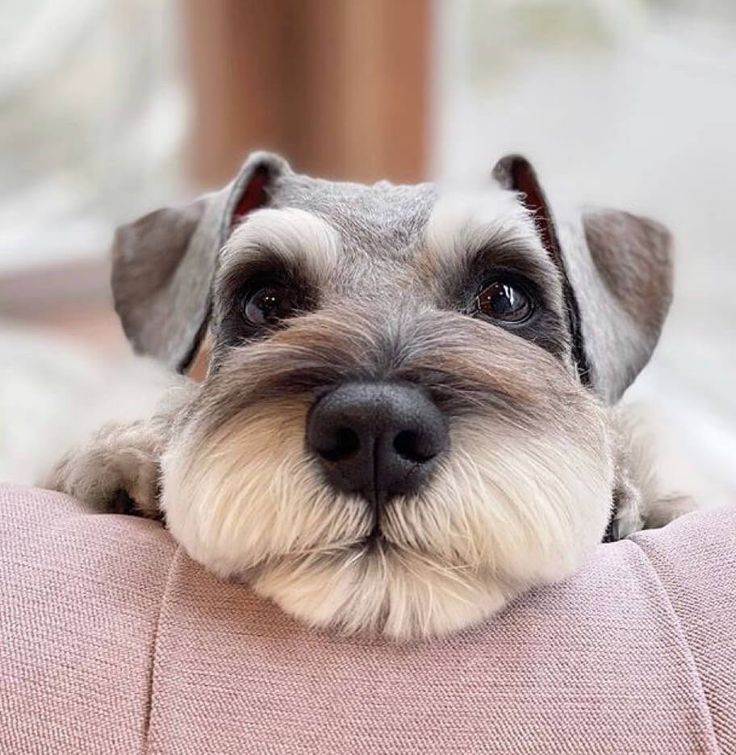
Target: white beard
507, 510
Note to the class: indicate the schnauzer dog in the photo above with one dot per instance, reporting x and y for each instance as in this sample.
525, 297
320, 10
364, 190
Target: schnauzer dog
408, 415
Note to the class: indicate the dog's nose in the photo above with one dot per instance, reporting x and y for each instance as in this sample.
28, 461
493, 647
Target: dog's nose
377, 439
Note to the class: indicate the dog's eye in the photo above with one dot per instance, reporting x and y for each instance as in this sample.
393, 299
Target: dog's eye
504, 301
268, 305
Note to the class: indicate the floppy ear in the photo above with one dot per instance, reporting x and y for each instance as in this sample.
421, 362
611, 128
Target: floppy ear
617, 273
163, 264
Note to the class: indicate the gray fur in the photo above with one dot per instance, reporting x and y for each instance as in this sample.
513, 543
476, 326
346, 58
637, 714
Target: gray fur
619, 330
164, 264
625, 290
617, 270
535, 463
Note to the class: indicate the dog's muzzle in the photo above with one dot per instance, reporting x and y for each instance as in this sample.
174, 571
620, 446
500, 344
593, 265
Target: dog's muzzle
379, 440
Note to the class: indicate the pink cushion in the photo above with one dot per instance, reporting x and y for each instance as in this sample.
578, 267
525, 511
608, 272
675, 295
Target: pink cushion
112, 640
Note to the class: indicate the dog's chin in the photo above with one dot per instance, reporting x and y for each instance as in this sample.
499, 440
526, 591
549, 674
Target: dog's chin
506, 511
381, 589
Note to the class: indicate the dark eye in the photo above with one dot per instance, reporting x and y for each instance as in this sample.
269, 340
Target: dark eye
268, 305
504, 301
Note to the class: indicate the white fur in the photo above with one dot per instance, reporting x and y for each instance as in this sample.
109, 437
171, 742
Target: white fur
296, 236
250, 493
465, 223
508, 509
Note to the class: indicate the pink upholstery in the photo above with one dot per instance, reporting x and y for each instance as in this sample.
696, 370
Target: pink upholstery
113, 641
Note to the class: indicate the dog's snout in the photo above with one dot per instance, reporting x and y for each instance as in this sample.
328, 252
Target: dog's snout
377, 439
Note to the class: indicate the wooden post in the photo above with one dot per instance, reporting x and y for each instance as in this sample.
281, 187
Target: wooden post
341, 87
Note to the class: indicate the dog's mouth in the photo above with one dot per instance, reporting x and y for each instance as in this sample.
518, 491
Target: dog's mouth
375, 543
374, 540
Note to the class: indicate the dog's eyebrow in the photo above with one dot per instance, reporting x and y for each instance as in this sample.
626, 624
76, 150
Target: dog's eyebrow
463, 225
292, 238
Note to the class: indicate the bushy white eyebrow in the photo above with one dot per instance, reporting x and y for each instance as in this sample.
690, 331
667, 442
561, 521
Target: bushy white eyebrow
296, 237
462, 224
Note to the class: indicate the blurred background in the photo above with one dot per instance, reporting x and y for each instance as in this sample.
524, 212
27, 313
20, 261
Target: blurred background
110, 108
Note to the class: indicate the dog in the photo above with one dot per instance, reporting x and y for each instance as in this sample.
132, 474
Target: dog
409, 413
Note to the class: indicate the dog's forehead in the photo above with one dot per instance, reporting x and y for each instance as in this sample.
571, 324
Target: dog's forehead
381, 219
382, 242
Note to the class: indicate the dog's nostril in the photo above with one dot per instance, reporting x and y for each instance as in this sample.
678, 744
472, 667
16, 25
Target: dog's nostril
345, 443
377, 440
407, 445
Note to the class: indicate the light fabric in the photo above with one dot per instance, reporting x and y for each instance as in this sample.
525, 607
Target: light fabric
113, 641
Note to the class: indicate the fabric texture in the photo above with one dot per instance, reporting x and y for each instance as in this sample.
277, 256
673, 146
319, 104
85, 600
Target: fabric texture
113, 641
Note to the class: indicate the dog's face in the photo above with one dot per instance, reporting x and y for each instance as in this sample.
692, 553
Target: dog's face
394, 434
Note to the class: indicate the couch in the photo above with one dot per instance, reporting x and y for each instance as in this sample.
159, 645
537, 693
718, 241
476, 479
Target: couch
113, 641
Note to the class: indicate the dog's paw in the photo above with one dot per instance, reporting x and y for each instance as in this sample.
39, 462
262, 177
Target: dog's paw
667, 508
633, 513
627, 504
116, 472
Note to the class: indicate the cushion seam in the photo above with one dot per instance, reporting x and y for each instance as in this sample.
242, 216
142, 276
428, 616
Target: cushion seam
153, 653
688, 650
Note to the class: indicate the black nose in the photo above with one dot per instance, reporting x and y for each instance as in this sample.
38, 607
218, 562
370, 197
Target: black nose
377, 439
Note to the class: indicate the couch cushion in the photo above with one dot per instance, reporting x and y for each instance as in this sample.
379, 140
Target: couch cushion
79, 602
112, 640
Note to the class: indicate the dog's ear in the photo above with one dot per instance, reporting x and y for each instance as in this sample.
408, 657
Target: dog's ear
163, 264
617, 273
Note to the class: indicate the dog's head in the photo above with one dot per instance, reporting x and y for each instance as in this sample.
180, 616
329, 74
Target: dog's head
403, 424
